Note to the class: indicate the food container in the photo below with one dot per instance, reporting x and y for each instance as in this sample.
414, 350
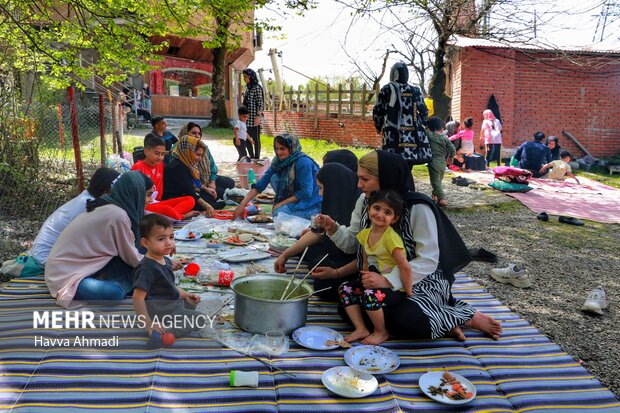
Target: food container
258, 307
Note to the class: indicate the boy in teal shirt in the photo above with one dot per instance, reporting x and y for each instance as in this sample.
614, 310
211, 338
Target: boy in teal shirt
443, 152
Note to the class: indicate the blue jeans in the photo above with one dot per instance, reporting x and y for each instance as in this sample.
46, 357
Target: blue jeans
112, 282
302, 213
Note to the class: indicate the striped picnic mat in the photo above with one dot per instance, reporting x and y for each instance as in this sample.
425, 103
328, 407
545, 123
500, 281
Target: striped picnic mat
522, 372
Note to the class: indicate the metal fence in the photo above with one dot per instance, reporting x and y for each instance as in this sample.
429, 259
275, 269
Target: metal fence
46, 157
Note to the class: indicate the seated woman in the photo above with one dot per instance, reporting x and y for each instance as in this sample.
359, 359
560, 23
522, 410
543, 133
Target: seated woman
553, 144
292, 176
433, 248
337, 180
99, 185
212, 185
181, 176
94, 257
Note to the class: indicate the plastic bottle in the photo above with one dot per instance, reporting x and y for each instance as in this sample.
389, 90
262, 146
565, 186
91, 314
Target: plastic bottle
251, 177
243, 378
217, 277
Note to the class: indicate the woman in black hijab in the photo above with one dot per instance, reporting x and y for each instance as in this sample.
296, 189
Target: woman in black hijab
253, 99
554, 146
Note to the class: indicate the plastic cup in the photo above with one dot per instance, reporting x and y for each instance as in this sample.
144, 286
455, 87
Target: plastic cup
192, 269
274, 339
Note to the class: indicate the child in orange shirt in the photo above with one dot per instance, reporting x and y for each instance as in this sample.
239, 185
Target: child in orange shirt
153, 167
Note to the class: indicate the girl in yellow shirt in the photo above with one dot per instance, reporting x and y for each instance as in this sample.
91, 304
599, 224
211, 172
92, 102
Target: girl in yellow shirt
383, 249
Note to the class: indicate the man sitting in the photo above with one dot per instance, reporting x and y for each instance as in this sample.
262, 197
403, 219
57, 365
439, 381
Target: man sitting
533, 155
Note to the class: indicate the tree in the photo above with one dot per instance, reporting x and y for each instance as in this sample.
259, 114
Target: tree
425, 28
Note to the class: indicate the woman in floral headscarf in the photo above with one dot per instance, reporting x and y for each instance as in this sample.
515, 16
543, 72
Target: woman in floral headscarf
181, 175
292, 176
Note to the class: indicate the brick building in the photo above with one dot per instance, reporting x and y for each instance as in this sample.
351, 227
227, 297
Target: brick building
552, 91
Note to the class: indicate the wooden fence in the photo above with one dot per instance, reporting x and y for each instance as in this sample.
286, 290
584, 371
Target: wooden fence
327, 100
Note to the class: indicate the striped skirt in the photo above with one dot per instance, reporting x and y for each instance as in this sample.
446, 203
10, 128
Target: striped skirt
433, 296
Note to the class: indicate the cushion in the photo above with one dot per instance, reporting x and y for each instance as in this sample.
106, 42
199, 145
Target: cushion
509, 187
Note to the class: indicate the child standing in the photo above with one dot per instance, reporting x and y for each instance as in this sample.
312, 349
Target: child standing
153, 166
155, 293
443, 150
241, 135
560, 169
383, 249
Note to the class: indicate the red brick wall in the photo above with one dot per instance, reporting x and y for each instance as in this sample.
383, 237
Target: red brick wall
540, 91
349, 130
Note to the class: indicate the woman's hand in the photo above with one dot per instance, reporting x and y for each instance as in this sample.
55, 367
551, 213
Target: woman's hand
209, 211
327, 223
280, 264
209, 190
239, 211
372, 279
325, 273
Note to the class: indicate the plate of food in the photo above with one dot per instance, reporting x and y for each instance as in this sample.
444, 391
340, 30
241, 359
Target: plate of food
346, 382
223, 215
318, 338
264, 198
186, 235
371, 359
239, 240
447, 388
260, 219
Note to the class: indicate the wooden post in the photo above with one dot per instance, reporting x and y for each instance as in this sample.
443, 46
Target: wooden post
114, 126
327, 98
307, 98
351, 97
102, 129
76, 140
339, 100
316, 105
364, 101
298, 97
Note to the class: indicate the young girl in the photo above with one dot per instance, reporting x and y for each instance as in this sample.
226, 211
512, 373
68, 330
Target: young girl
383, 249
491, 132
467, 142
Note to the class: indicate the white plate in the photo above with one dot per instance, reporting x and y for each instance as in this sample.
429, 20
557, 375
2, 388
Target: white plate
371, 359
314, 337
244, 256
346, 382
182, 235
433, 378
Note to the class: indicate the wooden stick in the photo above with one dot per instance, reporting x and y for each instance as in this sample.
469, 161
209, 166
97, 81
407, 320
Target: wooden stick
306, 276
294, 272
311, 293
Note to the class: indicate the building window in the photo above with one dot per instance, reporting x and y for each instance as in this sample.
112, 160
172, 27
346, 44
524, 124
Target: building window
187, 82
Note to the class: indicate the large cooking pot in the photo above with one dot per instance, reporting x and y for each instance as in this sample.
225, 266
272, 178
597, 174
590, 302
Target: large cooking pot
258, 307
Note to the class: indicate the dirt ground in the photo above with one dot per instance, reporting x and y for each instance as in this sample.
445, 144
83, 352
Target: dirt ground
564, 263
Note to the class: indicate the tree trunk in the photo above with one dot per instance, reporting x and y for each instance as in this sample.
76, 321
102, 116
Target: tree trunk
219, 117
437, 87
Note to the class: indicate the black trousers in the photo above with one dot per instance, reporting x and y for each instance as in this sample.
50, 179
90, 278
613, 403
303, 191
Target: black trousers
254, 132
222, 183
242, 149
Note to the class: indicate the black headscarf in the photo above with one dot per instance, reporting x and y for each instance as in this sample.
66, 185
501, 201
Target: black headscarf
394, 174
555, 152
253, 77
399, 73
340, 191
341, 156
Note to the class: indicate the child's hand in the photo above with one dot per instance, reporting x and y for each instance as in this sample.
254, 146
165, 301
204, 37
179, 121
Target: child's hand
150, 328
237, 142
191, 298
251, 141
409, 291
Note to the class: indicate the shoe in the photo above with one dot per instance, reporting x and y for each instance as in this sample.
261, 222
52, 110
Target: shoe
462, 181
511, 275
571, 220
596, 302
480, 254
543, 216
219, 204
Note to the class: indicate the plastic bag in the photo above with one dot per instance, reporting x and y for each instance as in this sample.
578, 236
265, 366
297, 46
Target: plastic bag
117, 163
290, 225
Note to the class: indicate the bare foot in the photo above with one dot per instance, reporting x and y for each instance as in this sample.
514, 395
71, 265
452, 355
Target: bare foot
486, 324
357, 335
376, 338
457, 333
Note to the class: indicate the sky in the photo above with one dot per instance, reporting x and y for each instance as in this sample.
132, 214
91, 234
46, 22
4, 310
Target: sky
313, 44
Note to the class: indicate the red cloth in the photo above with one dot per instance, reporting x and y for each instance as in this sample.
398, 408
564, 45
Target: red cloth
173, 208
156, 173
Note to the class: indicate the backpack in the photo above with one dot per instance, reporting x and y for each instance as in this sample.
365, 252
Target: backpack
403, 131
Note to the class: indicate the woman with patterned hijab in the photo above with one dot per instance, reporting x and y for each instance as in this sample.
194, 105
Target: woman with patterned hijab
292, 176
181, 175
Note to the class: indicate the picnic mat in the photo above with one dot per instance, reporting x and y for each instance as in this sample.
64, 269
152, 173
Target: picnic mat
590, 200
522, 372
